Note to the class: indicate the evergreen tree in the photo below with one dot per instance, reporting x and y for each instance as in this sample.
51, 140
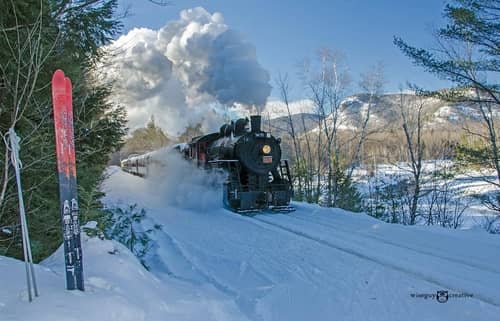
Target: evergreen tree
146, 139
347, 196
473, 153
190, 132
36, 38
126, 229
470, 48
469, 57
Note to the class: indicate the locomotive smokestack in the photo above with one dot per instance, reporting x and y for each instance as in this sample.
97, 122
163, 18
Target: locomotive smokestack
255, 123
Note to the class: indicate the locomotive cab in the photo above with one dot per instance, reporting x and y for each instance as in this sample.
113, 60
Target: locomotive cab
198, 148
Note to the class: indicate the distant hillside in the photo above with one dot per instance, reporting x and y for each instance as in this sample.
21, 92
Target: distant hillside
384, 113
443, 124
302, 122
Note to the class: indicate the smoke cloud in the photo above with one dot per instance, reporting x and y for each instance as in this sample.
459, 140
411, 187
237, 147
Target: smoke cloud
186, 72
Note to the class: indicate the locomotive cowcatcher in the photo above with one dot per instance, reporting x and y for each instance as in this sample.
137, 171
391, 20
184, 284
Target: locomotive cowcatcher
257, 177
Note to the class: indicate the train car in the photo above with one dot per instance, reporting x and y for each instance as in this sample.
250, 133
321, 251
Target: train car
258, 178
136, 164
142, 164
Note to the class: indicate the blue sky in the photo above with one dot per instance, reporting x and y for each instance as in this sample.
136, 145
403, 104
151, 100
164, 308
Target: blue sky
285, 32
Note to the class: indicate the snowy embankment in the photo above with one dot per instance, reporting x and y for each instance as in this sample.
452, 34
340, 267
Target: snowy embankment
118, 288
314, 264
445, 191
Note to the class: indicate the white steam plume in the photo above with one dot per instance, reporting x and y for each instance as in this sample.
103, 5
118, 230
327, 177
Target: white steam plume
181, 72
181, 184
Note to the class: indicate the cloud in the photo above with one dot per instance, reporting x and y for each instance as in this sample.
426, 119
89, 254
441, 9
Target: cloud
186, 72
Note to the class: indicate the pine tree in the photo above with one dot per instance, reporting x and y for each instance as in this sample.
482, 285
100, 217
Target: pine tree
470, 48
468, 55
190, 132
146, 139
347, 196
36, 38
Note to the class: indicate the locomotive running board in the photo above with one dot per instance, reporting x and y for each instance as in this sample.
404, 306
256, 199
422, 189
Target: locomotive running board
282, 209
250, 212
273, 209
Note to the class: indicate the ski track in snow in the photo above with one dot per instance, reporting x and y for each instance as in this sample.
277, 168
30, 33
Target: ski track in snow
203, 277
200, 276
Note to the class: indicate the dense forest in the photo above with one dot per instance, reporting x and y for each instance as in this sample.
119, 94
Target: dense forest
36, 38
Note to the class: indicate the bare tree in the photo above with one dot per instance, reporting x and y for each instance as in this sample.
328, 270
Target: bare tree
484, 100
411, 113
468, 55
27, 58
306, 168
328, 87
372, 83
443, 204
283, 85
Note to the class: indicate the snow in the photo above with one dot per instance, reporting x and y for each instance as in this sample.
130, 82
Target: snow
277, 108
464, 186
118, 288
445, 114
211, 264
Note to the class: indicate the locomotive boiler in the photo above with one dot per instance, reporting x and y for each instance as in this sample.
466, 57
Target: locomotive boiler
257, 176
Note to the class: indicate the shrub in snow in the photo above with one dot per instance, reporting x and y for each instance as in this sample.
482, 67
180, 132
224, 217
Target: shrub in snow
442, 204
128, 230
491, 200
388, 197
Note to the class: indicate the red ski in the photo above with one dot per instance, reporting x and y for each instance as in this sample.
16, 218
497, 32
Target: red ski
66, 168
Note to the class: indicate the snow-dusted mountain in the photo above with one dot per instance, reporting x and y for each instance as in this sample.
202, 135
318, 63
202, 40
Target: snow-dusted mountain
384, 113
277, 108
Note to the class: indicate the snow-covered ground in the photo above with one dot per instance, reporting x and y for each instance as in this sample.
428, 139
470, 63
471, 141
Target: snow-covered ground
313, 264
118, 288
461, 188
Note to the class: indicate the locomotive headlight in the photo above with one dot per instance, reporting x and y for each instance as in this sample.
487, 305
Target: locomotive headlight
266, 149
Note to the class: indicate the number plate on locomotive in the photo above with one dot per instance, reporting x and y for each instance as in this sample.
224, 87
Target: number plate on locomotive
267, 159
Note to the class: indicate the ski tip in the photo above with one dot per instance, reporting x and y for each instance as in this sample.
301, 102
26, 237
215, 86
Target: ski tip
68, 83
58, 81
69, 89
58, 74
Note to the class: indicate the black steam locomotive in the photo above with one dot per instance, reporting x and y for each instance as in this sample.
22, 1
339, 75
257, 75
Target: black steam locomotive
258, 178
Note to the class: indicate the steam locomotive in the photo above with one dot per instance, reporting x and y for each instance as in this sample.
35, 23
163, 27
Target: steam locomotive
257, 177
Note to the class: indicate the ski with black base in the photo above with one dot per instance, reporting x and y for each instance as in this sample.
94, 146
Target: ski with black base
66, 168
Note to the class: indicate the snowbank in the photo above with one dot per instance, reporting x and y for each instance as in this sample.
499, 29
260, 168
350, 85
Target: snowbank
118, 288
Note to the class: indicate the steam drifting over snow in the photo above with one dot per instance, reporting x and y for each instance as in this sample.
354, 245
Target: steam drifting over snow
185, 71
182, 184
